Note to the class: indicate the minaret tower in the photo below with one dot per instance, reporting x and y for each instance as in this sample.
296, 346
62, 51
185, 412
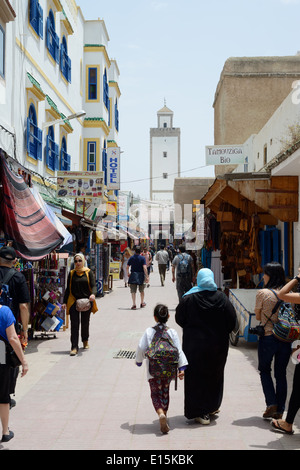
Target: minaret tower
164, 156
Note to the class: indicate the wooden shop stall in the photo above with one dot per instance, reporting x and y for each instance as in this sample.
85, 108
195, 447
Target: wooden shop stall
249, 208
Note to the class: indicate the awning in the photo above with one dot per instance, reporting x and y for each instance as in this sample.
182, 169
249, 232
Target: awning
272, 198
24, 221
53, 217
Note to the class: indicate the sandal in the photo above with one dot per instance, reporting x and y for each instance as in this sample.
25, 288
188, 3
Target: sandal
143, 305
133, 307
164, 427
277, 426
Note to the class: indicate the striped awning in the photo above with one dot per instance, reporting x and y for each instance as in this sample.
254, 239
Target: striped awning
24, 221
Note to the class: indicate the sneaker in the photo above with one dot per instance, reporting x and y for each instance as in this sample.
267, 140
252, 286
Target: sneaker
7, 437
204, 419
73, 352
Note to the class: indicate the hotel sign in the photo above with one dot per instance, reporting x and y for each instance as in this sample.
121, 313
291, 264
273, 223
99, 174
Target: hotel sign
224, 154
113, 168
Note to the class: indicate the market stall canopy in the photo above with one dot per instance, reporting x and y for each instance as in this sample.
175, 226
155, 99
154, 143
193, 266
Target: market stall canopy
24, 221
53, 217
272, 198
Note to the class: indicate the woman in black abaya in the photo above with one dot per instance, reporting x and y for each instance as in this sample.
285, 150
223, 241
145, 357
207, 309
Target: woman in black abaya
207, 317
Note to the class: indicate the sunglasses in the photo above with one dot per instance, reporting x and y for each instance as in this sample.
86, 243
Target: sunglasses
78, 261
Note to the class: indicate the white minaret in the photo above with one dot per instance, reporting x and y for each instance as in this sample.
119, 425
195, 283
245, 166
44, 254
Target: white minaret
164, 156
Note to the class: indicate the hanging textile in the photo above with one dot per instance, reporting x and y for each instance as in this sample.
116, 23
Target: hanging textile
24, 221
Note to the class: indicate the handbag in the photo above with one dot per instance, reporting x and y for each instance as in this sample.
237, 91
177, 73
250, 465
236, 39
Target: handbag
12, 359
83, 305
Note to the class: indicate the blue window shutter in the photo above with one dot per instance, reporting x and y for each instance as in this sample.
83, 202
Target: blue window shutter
28, 136
48, 151
69, 69
41, 26
39, 143
68, 162
33, 14
56, 41
56, 162
61, 64
48, 34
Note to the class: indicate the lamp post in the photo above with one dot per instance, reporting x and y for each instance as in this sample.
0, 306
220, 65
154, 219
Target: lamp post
68, 118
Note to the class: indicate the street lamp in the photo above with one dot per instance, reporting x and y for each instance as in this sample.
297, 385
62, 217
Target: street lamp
68, 118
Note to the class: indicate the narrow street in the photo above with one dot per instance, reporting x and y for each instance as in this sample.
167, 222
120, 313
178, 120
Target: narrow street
95, 401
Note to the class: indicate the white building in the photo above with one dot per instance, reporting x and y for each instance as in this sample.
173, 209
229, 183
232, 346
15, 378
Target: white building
164, 156
56, 65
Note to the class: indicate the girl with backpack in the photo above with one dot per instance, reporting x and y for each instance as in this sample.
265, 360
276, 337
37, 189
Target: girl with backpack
161, 370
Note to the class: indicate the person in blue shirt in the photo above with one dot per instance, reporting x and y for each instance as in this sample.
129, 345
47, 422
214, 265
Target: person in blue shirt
8, 334
138, 276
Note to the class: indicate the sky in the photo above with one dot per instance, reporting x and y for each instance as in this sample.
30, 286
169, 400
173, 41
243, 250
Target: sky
174, 51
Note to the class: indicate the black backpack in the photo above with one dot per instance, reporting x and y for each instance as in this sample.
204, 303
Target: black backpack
5, 298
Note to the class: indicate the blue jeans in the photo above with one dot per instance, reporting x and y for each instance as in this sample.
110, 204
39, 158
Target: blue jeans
270, 347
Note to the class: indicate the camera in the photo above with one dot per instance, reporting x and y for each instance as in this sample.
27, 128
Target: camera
257, 330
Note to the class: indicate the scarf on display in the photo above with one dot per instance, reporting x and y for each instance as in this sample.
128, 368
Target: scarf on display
205, 281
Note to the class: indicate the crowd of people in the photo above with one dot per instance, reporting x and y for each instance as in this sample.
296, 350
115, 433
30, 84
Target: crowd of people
204, 313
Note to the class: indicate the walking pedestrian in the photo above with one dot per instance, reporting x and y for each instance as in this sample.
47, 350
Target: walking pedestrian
183, 264
269, 347
286, 425
160, 387
148, 259
8, 334
138, 276
162, 257
80, 285
124, 261
207, 317
20, 296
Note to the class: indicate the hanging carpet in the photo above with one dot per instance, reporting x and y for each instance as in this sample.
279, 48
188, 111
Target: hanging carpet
24, 221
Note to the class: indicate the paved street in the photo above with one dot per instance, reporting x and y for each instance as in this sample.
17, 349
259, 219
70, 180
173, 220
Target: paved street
95, 401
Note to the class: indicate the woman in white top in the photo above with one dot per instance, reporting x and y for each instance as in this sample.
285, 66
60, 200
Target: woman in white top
125, 258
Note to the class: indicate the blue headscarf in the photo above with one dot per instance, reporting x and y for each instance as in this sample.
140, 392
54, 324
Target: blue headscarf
205, 281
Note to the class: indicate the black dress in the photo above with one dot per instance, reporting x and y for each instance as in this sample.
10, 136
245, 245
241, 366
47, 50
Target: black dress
207, 318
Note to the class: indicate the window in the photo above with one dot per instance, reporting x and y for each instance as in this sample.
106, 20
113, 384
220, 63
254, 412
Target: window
105, 90
34, 135
165, 176
165, 154
91, 156
165, 124
2, 52
52, 38
52, 151
65, 61
65, 158
104, 163
116, 116
265, 155
93, 83
36, 17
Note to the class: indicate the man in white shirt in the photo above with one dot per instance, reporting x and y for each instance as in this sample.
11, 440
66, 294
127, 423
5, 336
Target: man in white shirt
162, 258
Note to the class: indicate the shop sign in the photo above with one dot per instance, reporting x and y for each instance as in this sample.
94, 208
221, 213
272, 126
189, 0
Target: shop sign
224, 154
113, 168
80, 184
